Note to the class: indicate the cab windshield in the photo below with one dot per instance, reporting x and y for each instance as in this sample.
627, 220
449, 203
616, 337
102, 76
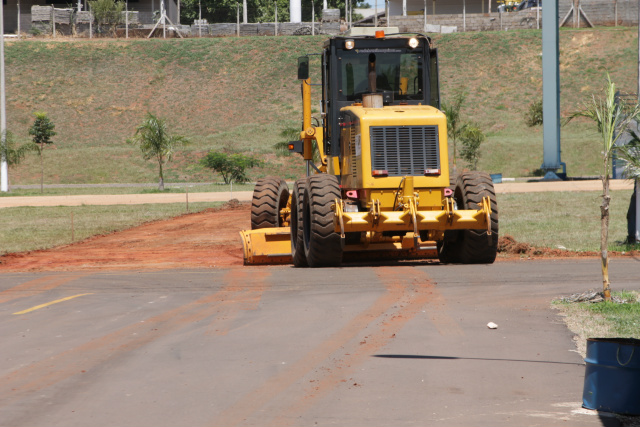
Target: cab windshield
397, 71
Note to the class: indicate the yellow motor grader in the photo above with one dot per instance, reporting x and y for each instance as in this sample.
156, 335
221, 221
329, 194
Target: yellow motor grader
381, 188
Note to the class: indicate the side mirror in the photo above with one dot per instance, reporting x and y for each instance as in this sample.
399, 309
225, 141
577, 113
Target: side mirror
303, 68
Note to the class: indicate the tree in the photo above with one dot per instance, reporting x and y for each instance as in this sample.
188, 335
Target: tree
107, 12
454, 122
257, 10
232, 167
612, 118
42, 131
471, 137
155, 142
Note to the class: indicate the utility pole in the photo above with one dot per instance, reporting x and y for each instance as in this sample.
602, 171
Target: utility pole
464, 16
551, 91
4, 167
375, 14
386, 12
424, 27
636, 187
313, 19
245, 20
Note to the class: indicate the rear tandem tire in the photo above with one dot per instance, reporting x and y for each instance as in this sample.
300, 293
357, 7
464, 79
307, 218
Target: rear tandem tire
448, 249
270, 195
297, 221
322, 246
472, 246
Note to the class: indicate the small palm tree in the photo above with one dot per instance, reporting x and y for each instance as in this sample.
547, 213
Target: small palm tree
12, 153
155, 142
293, 134
612, 119
288, 134
455, 127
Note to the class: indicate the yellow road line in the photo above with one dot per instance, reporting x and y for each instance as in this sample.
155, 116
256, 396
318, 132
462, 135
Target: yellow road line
50, 303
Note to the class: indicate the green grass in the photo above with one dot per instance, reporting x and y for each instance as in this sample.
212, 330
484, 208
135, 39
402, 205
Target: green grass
624, 318
32, 228
240, 93
133, 189
567, 219
603, 319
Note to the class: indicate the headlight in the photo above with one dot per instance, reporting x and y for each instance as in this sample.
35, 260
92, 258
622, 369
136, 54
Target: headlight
413, 42
349, 44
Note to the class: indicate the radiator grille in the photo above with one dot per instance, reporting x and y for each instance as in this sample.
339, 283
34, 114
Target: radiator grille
404, 150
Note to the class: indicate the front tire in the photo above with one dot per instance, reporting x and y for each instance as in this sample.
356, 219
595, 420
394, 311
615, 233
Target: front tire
270, 196
297, 222
322, 245
472, 246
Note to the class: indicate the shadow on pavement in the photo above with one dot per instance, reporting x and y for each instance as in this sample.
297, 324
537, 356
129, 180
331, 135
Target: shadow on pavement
412, 356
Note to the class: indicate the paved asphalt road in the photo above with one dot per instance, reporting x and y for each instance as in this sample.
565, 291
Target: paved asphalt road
397, 345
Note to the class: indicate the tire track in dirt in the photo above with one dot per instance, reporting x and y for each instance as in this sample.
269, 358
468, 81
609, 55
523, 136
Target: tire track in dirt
36, 286
330, 364
82, 359
244, 299
418, 291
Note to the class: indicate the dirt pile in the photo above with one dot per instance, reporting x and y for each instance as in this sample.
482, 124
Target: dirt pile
509, 247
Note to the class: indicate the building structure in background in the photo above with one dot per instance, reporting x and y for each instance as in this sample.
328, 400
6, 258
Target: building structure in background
407, 15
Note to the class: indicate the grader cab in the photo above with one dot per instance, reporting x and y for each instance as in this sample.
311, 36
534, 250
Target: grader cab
382, 187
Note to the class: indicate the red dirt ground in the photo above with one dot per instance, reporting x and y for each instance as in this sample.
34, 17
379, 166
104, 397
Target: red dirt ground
202, 240
207, 239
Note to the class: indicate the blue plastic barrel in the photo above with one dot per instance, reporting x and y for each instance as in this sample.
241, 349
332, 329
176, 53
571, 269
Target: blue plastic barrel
496, 178
612, 376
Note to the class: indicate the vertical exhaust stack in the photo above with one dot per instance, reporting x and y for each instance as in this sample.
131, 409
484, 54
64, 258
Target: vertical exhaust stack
372, 99
295, 11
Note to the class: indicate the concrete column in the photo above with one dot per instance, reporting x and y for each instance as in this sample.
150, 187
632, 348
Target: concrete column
245, 20
295, 11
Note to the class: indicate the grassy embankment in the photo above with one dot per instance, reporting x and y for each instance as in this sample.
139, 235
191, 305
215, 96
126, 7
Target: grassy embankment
240, 93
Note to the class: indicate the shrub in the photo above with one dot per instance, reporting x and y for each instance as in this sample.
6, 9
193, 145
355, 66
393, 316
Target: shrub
232, 167
533, 117
107, 13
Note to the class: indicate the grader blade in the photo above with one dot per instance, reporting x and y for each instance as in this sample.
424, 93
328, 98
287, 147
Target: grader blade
266, 246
